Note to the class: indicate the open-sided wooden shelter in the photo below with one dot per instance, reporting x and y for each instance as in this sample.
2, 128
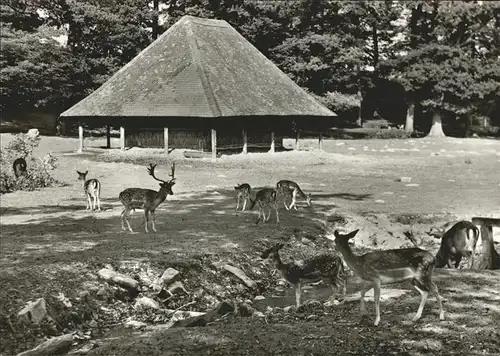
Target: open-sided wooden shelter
201, 84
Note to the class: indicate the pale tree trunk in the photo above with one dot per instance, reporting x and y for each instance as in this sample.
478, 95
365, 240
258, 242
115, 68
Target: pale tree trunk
437, 126
410, 117
359, 121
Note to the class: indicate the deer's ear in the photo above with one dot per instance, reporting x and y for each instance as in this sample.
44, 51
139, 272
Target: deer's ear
78, 172
352, 234
86, 172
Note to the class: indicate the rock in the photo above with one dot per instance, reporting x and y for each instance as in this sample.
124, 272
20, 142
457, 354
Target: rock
258, 315
65, 301
241, 275
177, 287
85, 349
169, 276
246, 310
146, 303
134, 324
184, 314
221, 309
120, 279
259, 297
34, 133
380, 201
55, 346
33, 312
288, 308
405, 179
412, 185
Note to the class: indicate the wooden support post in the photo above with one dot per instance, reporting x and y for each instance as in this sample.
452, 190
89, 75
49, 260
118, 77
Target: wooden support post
165, 139
320, 141
297, 138
108, 136
245, 141
214, 145
80, 137
122, 138
272, 150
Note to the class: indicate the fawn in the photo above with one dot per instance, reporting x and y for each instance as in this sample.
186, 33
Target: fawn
19, 166
244, 192
391, 266
92, 190
456, 243
285, 187
266, 197
147, 199
325, 267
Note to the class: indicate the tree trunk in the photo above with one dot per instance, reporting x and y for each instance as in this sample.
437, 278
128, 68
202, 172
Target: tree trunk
437, 126
359, 121
410, 117
156, 26
489, 258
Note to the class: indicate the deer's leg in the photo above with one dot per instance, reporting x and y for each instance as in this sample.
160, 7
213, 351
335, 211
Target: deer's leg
238, 202
126, 215
153, 215
88, 201
277, 213
121, 218
269, 214
244, 204
457, 261
99, 201
284, 201
95, 202
146, 219
297, 294
434, 289
294, 199
364, 288
376, 297
423, 300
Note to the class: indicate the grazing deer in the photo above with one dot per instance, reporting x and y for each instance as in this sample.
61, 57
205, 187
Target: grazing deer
244, 191
147, 199
459, 241
391, 266
92, 190
266, 197
19, 167
287, 187
325, 267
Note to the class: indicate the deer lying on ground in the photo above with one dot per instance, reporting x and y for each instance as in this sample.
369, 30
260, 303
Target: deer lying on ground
391, 266
92, 190
287, 187
325, 267
265, 198
459, 241
244, 192
19, 167
147, 199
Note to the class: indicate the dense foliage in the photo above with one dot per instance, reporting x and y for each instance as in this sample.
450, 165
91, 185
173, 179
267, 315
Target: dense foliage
444, 54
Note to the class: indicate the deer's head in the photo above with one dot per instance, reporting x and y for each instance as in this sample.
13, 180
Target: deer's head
308, 199
165, 186
343, 239
82, 176
271, 251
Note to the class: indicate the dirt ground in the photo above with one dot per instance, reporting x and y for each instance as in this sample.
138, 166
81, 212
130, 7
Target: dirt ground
51, 245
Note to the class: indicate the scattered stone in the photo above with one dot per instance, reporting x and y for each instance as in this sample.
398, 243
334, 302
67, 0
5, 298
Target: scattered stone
55, 346
259, 297
220, 310
33, 312
288, 308
134, 324
230, 246
412, 185
110, 275
241, 275
177, 287
405, 179
282, 282
184, 314
169, 276
64, 300
380, 201
146, 303
85, 349
246, 310
388, 193
340, 143
33, 133
269, 310
352, 149
258, 315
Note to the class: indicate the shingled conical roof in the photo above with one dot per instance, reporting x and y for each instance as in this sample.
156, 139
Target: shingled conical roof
199, 68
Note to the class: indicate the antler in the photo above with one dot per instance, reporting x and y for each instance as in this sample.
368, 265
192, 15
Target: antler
151, 171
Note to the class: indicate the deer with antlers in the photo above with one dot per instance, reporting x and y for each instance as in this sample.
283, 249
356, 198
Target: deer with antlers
147, 199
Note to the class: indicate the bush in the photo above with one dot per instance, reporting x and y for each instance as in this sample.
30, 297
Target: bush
38, 173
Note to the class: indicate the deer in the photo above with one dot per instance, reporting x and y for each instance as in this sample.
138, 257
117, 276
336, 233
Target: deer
390, 266
92, 191
287, 187
147, 199
19, 167
459, 241
244, 192
266, 197
325, 267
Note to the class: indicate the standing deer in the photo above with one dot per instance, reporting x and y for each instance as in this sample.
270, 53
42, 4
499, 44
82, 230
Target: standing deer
459, 241
147, 199
287, 187
266, 197
391, 266
325, 267
19, 167
244, 192
92, 190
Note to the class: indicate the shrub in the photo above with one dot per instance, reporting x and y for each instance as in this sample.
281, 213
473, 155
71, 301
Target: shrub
38, 173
